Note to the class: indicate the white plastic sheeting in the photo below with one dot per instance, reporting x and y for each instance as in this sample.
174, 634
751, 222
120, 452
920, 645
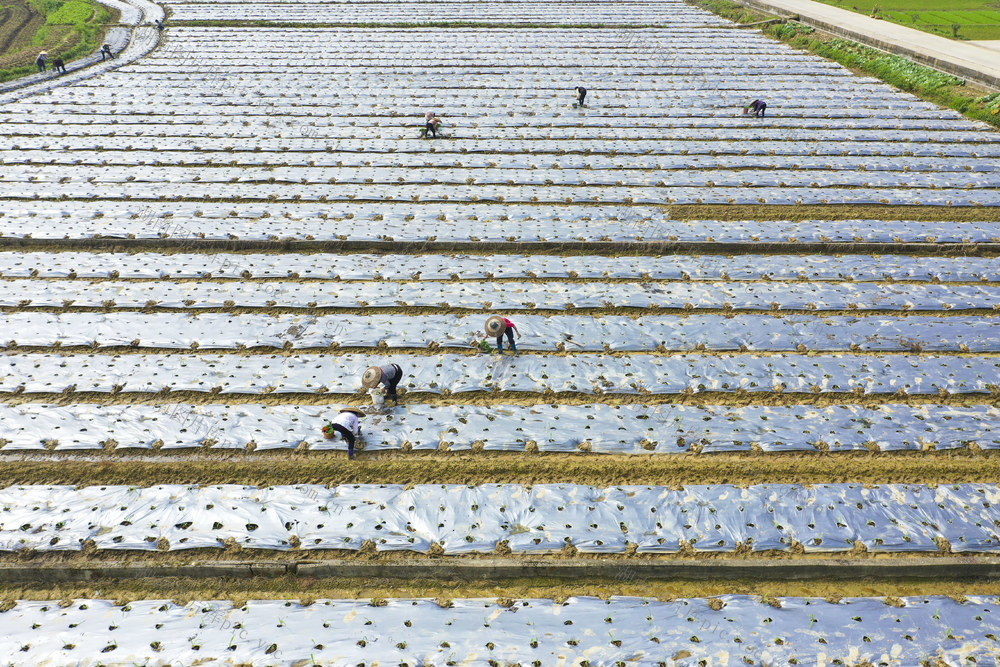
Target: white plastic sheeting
542, 518
729, 630
188, 223
401, 129
497, 93
95, 159
545, 13
197, 149
656, 194
586, 374
613, 429
361, 266
213, 331
543, 295
107, 123
51, 176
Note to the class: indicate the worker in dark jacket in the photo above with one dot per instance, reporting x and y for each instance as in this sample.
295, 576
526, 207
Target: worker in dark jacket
388, 376
431, 125
581, 95
757, 106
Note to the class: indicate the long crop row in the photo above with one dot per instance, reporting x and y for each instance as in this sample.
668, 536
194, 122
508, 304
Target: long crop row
601, 428
543, 518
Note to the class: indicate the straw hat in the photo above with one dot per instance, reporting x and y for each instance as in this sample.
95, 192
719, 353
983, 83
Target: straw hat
371, 377
357, 411
495, 326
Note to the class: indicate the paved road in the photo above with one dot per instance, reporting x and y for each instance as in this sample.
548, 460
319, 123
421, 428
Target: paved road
993, 44
969, 60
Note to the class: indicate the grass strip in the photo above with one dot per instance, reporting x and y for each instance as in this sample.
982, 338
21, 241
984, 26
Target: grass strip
397, 467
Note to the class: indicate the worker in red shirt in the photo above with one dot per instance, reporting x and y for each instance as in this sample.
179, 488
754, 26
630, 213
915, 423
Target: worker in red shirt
509, 330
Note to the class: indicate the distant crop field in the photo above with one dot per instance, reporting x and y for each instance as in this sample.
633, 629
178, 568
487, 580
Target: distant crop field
18, 24
65, 28
962, 19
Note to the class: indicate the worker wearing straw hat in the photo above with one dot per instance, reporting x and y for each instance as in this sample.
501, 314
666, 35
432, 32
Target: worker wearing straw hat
40, 60
348, 424
388, 375
499, 327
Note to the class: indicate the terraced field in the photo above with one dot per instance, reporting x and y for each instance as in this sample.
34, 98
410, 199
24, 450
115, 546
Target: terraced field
753, 414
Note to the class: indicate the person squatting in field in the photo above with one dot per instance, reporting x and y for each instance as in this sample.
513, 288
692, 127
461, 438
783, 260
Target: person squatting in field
431, 126
391, 375
757, 106
509, 331
348, 425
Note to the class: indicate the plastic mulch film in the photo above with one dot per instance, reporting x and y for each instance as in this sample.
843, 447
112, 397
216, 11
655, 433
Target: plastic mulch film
728, 630
542, 295
475, 519
611, 429
574, 333
306, 221
582, 373
329, 266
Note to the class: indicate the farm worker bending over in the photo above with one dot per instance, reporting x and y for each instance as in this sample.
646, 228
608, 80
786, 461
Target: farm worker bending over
581, 94
389, 376
106, 52
347, 424
500, 327
431, 126
757, 106
58, 65
40, 61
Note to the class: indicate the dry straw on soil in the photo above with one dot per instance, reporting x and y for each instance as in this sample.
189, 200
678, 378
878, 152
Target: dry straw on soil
515, 467
306, 590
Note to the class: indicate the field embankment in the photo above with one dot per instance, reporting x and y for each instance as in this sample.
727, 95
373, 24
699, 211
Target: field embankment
67, 29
